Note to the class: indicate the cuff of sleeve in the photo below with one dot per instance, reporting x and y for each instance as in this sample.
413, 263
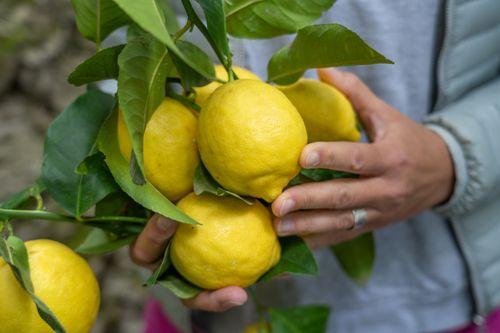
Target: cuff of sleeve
460, 167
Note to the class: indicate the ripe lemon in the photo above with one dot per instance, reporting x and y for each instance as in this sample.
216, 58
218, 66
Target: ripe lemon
233, 246
124, 141
258, 328
61, 279
202, 93
327, 113
169, 148
250, 137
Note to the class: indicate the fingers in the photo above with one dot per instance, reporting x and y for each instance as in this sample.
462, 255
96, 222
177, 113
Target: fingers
218, 300
339, 194
317, 221
358, 158
152, 241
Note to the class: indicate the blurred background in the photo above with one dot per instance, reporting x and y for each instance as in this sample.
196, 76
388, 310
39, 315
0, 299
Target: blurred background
39, 47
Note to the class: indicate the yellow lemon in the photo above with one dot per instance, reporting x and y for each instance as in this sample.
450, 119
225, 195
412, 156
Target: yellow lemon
170, 152
124, 141
61, 279
250, 137
234, 244
258, 328
202, 93
327, 113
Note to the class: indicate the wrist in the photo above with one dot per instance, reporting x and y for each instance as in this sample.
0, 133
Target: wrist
445, 170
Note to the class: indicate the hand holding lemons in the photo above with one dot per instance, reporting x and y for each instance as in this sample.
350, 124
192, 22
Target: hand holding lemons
234, 244
61, 279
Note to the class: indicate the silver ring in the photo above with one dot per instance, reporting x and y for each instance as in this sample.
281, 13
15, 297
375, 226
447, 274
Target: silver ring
359, 216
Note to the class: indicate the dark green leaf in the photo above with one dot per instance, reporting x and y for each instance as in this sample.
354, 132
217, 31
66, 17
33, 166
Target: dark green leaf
98, 241
101, 66
270, 18
333, 45
96, 19
15, 254
135, 170
178, 285
19, 199
146, 194
144, 66
72, 137
150, 15
204, 183
319, 175
357, 257
165, 264
189, 77
120, 204
184, 100
295, 258
300, 319
216, 24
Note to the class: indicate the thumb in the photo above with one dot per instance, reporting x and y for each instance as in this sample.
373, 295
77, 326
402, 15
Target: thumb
369, 107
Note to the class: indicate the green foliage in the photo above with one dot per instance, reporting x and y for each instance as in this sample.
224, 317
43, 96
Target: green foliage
99, 241
216, 26
295, 258
204, 183
271, 18
144, 64
300, 319
329, 42
189, 77
319, 175
146, 195
71, 138
101, 66
149, 15
357, 257
96, 19
21, 198
15, 254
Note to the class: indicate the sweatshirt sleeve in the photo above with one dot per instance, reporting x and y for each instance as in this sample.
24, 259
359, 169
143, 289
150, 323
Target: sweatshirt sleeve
471, 129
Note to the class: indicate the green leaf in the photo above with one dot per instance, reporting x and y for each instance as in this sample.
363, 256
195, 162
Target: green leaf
295, 258
144, 64
189, 77
204, 183
216, 25
319, 175
165, 264
101, 66
15, 254
98, 241
150, 15
19, 199
72, 137
96, 19
146, 194
357, 257
270, 18
178, 285
300, 319
333, 45
184, 100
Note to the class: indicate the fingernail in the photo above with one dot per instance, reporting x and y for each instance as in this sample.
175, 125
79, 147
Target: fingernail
163, 224
284, 227
286, 206
312, 160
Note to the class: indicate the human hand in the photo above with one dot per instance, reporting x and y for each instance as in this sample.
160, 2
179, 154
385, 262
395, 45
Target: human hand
147, 251
404, 170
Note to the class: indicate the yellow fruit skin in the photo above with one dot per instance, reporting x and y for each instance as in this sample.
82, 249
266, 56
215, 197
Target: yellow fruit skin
327, 113
124, 141
257, 328
170, 152
234, 245
250, 138
62, 280
202, 93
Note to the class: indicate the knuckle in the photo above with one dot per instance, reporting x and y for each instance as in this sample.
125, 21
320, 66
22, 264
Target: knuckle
345, 221
357, 162
305, 200
399, 194
399, 159
344, 198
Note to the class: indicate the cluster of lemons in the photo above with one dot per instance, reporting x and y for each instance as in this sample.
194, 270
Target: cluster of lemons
249, 135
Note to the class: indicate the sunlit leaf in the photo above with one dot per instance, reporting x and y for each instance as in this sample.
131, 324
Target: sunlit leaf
300, 319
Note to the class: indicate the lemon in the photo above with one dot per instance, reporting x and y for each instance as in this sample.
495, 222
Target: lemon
202, 93
327, 113
124, 141
234, 244
258, 328
169, 148
61, 279
250, 137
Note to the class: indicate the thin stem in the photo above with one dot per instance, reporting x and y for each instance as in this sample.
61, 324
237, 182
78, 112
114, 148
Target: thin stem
183, 30
44, 215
